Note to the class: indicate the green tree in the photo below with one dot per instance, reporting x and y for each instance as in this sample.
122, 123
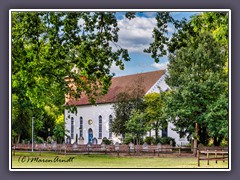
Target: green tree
137, 126
198, 72
45, 48
196, 75
126, 102
59, 131
154, 112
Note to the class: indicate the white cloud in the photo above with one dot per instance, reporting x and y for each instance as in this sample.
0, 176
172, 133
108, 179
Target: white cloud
136, 34
115, 69
160, 66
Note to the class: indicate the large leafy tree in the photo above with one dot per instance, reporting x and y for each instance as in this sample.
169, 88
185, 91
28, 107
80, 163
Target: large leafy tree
45, 48
196, 75
197, 72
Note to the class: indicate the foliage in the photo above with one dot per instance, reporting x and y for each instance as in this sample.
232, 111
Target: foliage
45, 48
165, 140
129, 138
59, 131
48, 44
39, 140
154, 112
198, 69
137, 125
107, 141
197, 79
149, 140
14, 136
127, 101
215, 23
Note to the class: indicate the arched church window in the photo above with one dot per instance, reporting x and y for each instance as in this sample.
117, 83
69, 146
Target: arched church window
100, 127
81, 127
72, 127
110, 126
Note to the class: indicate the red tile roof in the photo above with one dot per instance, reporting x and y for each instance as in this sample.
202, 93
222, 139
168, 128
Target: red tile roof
121, 84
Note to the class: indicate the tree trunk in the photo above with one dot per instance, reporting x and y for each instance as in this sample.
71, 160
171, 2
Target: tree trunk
195, 140
19, 135
217, 141
156, 133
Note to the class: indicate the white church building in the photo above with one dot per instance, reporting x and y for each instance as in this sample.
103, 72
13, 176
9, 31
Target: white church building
92, 123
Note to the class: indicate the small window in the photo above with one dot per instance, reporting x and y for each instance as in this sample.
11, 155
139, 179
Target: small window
81, 127
72, 127
110, 126
100, 127
165, 132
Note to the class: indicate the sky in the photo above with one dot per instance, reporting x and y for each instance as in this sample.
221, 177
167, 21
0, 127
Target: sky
136, 35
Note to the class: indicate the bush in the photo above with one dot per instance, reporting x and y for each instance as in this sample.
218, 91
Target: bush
149, 140
165, 140
39, 140
107, 141
128, 139
224, 143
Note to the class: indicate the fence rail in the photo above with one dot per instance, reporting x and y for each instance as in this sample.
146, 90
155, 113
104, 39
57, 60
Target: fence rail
203, 153
206, 155
105, 149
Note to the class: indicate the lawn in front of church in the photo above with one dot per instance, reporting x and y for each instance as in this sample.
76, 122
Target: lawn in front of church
54, 160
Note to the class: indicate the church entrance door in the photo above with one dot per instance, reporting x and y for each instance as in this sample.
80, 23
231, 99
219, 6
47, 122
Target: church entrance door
90, 135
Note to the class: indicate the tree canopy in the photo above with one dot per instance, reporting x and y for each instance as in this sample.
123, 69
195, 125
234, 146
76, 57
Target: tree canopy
197, 72
45, 48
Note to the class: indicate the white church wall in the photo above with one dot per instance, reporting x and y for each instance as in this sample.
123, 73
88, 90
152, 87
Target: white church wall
175, 135
159, 84
91, 112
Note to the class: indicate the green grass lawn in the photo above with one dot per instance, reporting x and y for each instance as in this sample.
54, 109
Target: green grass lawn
23, 160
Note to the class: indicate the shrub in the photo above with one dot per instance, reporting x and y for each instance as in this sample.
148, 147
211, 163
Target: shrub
224, 143
149, 140
165, 140
39, 139
107, 141
128, 139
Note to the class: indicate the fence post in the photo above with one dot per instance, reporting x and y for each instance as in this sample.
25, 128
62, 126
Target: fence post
14, 150
223, 156
198, 158
207, 157
216, 156
40, 151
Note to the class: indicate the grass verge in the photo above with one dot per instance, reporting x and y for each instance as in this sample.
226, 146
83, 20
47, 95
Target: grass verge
54, 160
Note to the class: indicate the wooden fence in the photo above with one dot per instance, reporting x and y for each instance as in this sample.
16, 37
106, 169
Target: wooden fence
130, 149
208, 155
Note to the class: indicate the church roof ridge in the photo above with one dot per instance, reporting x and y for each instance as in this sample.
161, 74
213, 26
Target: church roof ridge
121, 84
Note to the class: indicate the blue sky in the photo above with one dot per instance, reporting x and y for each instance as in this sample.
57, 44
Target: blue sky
135, 35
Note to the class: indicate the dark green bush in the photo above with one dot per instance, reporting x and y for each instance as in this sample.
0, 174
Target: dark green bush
149, 140
107, 141
165, 140
39, 140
